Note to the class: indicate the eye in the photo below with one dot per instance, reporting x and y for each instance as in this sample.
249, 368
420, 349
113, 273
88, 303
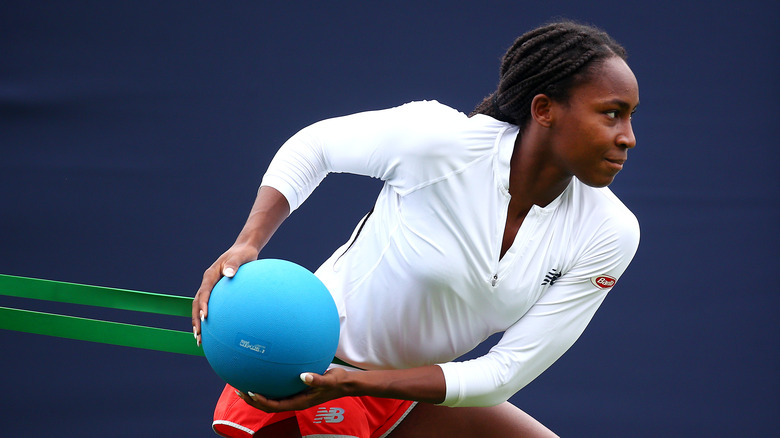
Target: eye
612, 114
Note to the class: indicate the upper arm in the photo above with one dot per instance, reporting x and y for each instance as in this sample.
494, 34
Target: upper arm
402, 146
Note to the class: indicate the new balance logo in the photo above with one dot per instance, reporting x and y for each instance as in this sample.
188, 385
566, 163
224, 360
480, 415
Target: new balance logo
551, 277
332, 415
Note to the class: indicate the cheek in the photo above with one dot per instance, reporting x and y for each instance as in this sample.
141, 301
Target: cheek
587, 152
582, 144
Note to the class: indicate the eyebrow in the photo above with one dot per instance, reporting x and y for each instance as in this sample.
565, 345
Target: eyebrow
622, 104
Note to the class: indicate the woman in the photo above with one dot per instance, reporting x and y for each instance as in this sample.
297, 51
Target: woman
495, 222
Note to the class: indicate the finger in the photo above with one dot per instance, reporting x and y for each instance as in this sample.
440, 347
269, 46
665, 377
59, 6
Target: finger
200, 302
307, 378
196, 320
257, 401
248, 400
246, 396
200, 309
195, 315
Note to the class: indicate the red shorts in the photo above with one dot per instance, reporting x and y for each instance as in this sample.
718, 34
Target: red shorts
359, 417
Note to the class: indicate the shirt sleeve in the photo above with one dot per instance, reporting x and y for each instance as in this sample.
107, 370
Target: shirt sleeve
405, 146
550, 326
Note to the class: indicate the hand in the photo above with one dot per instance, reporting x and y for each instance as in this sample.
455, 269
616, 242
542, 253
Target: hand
268, 212
226, 265
322, 388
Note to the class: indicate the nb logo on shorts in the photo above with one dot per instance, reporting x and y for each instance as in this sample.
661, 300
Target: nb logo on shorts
332, 415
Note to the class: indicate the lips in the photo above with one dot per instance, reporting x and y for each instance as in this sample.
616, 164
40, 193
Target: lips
616, 162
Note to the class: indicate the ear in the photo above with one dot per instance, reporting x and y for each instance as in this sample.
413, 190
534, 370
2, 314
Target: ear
542, 110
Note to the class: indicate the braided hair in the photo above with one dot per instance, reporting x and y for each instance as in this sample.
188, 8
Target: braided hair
549, 60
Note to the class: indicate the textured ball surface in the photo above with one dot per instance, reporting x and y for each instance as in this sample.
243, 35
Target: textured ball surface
268, 324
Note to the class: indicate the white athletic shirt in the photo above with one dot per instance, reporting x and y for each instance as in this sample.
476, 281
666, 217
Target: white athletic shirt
423, 284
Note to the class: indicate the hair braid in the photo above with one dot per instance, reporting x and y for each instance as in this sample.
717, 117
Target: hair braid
549, 60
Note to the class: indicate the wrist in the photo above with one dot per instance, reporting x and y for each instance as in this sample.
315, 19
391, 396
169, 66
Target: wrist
358, 383
248, 242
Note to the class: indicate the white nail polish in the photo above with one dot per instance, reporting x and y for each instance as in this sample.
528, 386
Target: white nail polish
202, 318
195, 332
229, 272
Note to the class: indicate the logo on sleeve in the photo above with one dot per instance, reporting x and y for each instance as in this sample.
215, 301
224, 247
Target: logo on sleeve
603, 281
332, 415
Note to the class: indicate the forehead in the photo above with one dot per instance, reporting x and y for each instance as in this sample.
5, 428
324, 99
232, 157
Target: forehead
610, 80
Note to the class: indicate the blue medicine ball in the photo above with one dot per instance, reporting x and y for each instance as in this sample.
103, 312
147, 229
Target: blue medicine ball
268, 324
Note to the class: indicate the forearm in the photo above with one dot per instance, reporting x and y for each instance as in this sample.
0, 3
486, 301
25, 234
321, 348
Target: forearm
424, 384
268, 212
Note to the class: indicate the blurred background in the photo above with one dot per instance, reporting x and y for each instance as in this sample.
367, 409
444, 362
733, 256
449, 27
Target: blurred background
133, 136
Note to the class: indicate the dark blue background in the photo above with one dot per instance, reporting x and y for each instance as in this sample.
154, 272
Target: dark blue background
133, 136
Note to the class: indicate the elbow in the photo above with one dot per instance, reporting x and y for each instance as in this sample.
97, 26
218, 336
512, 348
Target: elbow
487, 391
493, 398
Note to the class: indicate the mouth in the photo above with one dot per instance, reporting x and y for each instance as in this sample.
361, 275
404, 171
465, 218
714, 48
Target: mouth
616, 163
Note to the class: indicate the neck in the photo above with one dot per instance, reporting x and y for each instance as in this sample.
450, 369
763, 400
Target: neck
534, 179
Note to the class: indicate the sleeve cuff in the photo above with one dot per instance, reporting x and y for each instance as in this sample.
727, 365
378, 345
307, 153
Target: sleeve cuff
452, 382
284, 188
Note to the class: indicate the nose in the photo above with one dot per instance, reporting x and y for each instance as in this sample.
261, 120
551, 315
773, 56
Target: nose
626, 136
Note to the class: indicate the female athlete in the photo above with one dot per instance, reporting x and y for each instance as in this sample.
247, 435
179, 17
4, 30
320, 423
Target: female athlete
494, 222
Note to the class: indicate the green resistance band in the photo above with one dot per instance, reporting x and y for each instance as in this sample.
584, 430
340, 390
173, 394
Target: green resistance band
95, 330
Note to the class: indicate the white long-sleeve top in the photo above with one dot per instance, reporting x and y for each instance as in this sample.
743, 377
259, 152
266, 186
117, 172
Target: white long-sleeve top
423, 283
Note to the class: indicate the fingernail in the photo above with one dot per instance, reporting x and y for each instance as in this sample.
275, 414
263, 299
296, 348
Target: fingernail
198, 341
202, 318
238, 393
195, 332
250, 393
306, 378
229, 272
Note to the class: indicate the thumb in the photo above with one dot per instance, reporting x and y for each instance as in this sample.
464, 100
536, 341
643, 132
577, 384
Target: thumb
229, 269
307, 378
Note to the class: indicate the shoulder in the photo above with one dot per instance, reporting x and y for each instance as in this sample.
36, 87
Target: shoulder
415, 113
431, 115
429, 109
604, 233
424, 120
605, 214
429, 130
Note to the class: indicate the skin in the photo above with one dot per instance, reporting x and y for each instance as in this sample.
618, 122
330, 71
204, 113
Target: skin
588, 137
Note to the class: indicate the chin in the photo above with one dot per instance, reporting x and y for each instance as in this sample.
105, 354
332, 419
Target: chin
598, 182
